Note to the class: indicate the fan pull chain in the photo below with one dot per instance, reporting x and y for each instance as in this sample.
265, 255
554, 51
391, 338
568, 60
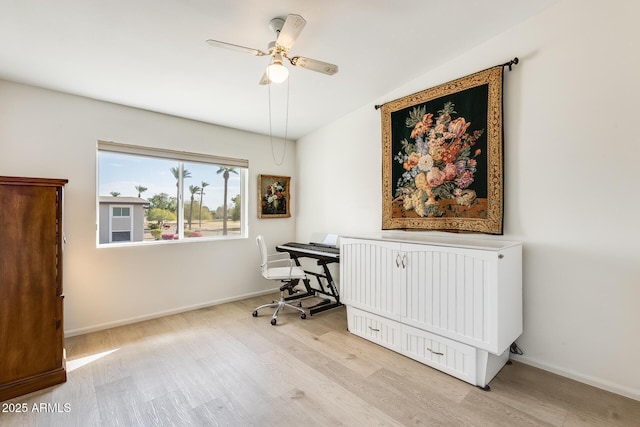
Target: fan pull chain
286, 127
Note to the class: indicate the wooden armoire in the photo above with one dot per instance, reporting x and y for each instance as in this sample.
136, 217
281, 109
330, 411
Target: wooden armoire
31, 326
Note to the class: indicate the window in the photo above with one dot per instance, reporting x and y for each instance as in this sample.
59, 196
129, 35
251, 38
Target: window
121, 236
148, 195
121, 224
121, 211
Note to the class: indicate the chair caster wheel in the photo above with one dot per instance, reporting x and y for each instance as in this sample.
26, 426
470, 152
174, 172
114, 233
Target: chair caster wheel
255, 313
273, 322
303, 316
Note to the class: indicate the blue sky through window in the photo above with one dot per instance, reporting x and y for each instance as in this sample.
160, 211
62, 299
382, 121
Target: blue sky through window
123, 172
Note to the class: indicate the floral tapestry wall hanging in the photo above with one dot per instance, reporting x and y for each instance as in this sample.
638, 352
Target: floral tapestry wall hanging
442, 157
273, 196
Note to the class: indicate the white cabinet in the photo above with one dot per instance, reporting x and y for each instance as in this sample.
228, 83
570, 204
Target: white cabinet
452, 303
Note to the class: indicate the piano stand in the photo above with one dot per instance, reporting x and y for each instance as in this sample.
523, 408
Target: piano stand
329, 289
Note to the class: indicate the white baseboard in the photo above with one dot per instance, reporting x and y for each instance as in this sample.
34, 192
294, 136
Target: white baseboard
577, 376
122, 322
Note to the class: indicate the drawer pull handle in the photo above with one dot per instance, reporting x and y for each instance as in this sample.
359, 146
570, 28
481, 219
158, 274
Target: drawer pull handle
374, 329
435, 352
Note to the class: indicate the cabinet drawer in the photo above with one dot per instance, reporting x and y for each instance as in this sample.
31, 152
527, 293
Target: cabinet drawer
375, 328
452, 357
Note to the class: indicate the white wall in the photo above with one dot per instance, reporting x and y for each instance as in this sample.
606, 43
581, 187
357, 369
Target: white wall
49, 134
571, 169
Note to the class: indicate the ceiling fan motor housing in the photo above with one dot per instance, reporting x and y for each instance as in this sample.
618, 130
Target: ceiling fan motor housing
276, 25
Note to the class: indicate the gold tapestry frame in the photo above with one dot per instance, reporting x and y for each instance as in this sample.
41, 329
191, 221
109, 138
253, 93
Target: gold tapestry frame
439, 178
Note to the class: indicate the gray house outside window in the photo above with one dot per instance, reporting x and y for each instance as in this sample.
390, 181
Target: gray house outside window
121, 219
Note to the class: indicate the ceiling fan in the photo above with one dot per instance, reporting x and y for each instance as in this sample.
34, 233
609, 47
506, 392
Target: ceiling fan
287, 31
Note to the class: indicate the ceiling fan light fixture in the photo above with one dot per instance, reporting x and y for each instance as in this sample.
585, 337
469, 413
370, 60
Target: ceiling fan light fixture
277, 72
287, 31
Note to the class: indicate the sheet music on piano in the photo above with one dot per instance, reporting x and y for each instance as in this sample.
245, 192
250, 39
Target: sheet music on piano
325, 239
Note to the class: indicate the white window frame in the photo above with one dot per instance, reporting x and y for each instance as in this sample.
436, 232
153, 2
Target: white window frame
181, 157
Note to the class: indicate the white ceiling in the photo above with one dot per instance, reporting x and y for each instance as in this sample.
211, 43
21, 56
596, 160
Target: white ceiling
151, 54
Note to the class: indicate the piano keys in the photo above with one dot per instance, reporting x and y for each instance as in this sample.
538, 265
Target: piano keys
313, 250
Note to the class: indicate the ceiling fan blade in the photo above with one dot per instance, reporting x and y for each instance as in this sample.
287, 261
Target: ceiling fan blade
237, 48
314, 65
291, 29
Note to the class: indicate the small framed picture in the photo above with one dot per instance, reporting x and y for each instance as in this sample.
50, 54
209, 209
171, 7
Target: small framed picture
274, 200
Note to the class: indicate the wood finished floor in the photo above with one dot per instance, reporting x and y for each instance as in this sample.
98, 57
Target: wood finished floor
221, 367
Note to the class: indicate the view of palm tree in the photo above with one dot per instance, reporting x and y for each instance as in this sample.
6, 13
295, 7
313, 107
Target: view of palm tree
140, 189
176, 174
194, 189
114, 194
225, 174
202, 185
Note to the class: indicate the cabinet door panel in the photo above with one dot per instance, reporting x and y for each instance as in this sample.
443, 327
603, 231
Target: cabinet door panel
28, 281
447, 291
367, 276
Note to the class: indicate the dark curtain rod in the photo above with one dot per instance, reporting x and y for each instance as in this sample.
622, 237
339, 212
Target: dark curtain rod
509, 64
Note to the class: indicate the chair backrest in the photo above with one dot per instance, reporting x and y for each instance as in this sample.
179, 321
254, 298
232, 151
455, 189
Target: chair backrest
263, 252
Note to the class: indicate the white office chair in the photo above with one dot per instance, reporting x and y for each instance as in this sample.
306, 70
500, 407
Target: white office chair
288, 273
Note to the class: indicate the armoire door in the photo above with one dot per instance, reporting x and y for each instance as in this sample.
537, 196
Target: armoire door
30, 300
